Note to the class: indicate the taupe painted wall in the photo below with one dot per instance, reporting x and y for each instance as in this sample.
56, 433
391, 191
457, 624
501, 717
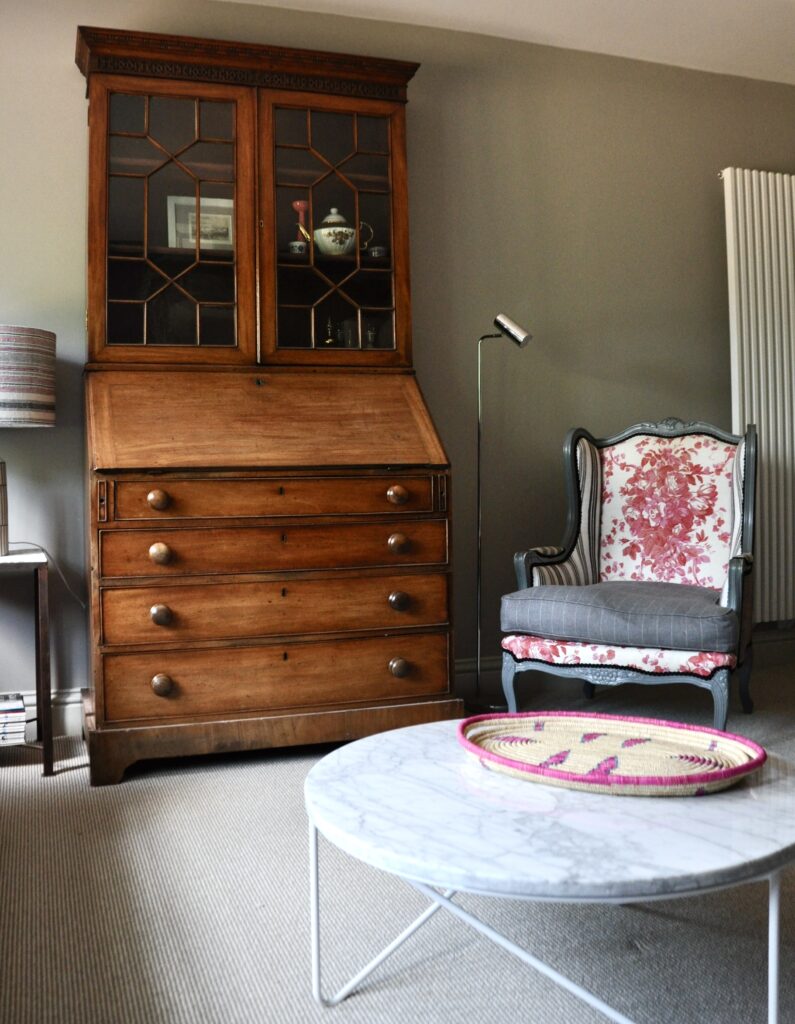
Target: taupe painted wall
576, 192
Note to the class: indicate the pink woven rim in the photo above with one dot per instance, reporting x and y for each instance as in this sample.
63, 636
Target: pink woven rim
615, 780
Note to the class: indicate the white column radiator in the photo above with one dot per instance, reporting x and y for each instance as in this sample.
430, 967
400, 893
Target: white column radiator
760, 242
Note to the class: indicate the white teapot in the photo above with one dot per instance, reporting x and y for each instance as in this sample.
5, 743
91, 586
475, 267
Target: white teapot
336, 237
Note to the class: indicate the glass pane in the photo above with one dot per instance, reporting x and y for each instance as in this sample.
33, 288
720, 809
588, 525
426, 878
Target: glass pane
295, 328
331, 135
171, 319
373, 134
335, 321
218, 221
298, 167
292, 215
133, 155
366, 171
376, 211
291, 126
210, 160
217, 325
210, 282
370, 288
172, 263
172, 204
125, 323
334, 199
172, 121
216, 226
217, 120
378, 329
300, 286
126, 216
127, 113
133, 279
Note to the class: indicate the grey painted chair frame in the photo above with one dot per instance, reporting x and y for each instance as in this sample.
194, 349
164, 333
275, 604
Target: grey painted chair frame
740, 589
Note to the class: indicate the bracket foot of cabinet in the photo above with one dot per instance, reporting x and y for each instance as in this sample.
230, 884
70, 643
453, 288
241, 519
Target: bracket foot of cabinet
112, 751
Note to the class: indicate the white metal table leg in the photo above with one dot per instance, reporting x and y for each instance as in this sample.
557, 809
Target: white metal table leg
522, 954
443, 899
774, 918
356, 980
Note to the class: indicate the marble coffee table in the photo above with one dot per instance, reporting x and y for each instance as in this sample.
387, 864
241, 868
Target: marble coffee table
414, 803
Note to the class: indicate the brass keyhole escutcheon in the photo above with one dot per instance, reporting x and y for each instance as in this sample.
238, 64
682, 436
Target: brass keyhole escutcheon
158, 499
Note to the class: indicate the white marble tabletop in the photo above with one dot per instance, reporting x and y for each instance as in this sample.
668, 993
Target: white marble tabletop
415, 803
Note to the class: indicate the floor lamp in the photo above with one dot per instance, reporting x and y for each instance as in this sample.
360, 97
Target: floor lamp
506, 328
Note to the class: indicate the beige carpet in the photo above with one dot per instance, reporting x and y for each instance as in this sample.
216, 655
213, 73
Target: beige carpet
180, 897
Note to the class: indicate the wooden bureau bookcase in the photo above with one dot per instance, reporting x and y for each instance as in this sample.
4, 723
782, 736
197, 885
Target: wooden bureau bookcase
269, 501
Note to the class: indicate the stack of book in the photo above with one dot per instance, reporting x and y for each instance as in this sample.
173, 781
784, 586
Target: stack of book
12, 719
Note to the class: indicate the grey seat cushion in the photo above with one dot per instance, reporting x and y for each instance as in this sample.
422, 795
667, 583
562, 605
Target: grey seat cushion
673, 616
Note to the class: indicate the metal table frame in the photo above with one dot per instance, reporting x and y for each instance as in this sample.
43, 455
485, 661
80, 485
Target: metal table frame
444, 899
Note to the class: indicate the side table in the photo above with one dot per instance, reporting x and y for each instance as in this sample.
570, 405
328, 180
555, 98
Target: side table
18, 562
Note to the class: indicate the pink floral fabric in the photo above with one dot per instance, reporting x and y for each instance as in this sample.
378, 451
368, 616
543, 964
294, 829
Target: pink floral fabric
654, 660
667, 510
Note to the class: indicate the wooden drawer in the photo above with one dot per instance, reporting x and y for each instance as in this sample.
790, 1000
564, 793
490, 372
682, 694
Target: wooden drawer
272, 548
225, 611
211, 499
250, 679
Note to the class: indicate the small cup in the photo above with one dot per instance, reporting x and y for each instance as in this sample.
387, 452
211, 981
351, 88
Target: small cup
297, 248
377, 251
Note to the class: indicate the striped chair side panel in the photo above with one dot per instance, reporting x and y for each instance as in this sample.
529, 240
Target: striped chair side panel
582, 567
738, 496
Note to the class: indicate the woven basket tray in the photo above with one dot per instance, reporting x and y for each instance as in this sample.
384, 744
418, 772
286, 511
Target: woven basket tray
610, 753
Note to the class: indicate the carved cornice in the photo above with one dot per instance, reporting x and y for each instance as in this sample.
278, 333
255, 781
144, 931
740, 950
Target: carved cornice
151, 68
153, 55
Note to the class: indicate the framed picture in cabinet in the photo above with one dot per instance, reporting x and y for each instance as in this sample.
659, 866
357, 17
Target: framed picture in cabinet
216, 223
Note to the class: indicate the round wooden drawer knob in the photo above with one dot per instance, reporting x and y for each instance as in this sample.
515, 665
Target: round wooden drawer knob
162, 684
161, 614
397, 495
158, 499
160, 553
399, 600
399, 667
398, 543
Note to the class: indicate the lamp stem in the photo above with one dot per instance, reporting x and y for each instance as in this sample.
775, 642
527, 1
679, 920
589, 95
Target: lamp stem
3, 510
479, 499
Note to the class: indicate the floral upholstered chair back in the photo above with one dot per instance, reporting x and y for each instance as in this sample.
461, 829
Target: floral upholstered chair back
671, 509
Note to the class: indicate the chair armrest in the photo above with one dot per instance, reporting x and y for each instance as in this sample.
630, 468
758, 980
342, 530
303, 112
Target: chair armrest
740, 595
525, 561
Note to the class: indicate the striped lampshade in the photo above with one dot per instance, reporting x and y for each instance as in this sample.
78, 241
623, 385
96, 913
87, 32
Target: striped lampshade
27, 377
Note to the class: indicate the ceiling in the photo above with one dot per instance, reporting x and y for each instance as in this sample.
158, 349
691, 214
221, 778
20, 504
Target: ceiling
752, 38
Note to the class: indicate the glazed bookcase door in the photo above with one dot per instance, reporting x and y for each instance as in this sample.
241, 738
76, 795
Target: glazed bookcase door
333, 231
171, 247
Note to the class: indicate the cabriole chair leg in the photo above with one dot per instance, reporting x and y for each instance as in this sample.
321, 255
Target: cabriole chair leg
508, 683
744, 676
720, 695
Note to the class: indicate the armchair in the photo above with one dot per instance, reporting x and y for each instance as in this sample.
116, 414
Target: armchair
652, 582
